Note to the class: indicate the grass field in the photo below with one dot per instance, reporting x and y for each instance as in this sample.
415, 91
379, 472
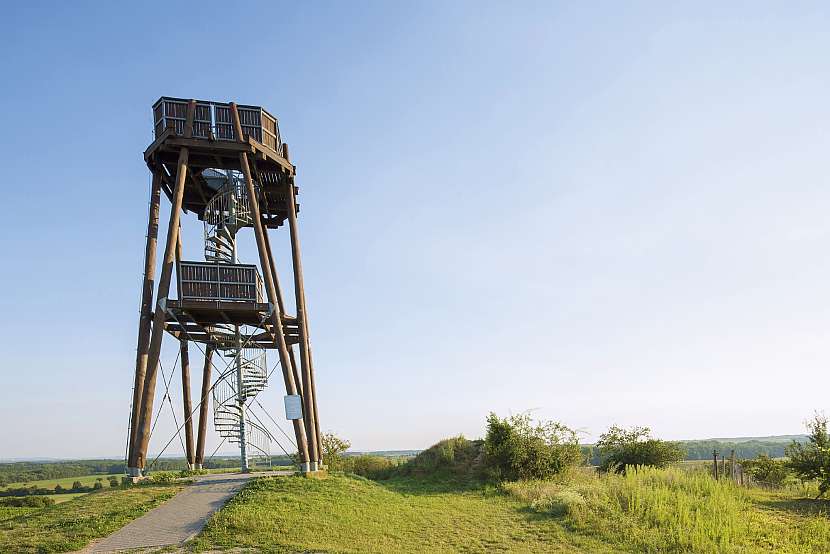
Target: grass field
60, 498
72, 525
652, 511
66, 482
352, 514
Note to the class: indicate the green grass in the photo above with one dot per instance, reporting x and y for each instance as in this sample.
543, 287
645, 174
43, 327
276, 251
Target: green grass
61, 498
677, 510
659, 511
72, 525
344, 514
66, 482
7, 512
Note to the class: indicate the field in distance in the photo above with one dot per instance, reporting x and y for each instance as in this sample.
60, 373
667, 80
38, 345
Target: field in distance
65, 482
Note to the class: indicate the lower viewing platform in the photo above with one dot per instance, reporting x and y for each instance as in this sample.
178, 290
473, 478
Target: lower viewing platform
218, 298
214, 322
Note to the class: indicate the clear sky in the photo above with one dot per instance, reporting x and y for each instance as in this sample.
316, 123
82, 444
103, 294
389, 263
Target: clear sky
600, 212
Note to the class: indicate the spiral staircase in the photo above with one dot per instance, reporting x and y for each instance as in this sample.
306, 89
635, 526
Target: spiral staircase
247, 371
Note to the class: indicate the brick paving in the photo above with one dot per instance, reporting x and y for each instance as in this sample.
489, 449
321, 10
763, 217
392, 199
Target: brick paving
181, 517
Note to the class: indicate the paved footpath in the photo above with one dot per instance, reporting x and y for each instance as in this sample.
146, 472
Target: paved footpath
181, 517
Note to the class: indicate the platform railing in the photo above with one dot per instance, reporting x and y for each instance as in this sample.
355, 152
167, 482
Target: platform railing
213, 120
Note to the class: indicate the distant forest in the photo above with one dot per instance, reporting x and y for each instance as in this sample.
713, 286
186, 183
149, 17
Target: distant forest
774, 447
25, 472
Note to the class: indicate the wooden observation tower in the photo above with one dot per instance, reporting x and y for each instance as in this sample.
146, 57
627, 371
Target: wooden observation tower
226, 164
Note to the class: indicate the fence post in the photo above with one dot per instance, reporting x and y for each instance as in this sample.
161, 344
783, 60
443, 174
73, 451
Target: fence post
732, 472
715, 464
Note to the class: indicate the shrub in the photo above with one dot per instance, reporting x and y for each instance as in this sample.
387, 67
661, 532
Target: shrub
516, 448
453, 457
162, 477
620, 448
333, 447
812, 460
114, 482
77, 486
768, 471
27, 501
367, 465
98, 485
192, 472
59, 489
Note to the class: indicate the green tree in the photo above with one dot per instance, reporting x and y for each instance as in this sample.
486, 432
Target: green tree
517, 448
619, 447
811, 460
333, 447
767, 470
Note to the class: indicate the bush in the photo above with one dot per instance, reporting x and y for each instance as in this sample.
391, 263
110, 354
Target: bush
620, 448
516, 448
367, 465
453, 457
77, 486
98, 485
114, 482
162, 477
333, 447
26, 501
768, 471
812, 460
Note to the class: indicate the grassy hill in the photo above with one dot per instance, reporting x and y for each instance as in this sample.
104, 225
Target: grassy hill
654, 511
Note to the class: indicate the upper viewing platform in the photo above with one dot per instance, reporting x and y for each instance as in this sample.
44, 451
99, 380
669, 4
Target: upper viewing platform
213, 121
212, 143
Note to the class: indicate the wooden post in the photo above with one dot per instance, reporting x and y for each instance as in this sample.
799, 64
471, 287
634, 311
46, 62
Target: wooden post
188, 407
203, 408
146, 312
715, 467
316, 411
143, 435
732, 465
309, 415
281, 304
184, 354
309, 403
282, 348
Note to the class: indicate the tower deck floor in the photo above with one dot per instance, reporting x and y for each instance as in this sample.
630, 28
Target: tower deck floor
196, 320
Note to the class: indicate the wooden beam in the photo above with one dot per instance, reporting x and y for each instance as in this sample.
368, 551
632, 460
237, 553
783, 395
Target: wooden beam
203, 408
188, 407
282, 347
287, 320
146, 311
143, 435
309, 403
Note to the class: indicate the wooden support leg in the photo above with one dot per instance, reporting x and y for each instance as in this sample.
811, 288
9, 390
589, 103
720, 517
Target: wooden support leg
282, 348
316, 411
143, 436
203, 408
146, 316
309, 411
188, 407
281, 304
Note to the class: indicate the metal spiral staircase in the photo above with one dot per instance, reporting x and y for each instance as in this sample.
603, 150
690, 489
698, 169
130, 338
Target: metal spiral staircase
247, 375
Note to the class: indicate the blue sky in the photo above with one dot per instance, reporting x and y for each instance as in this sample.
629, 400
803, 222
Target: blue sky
602, 213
